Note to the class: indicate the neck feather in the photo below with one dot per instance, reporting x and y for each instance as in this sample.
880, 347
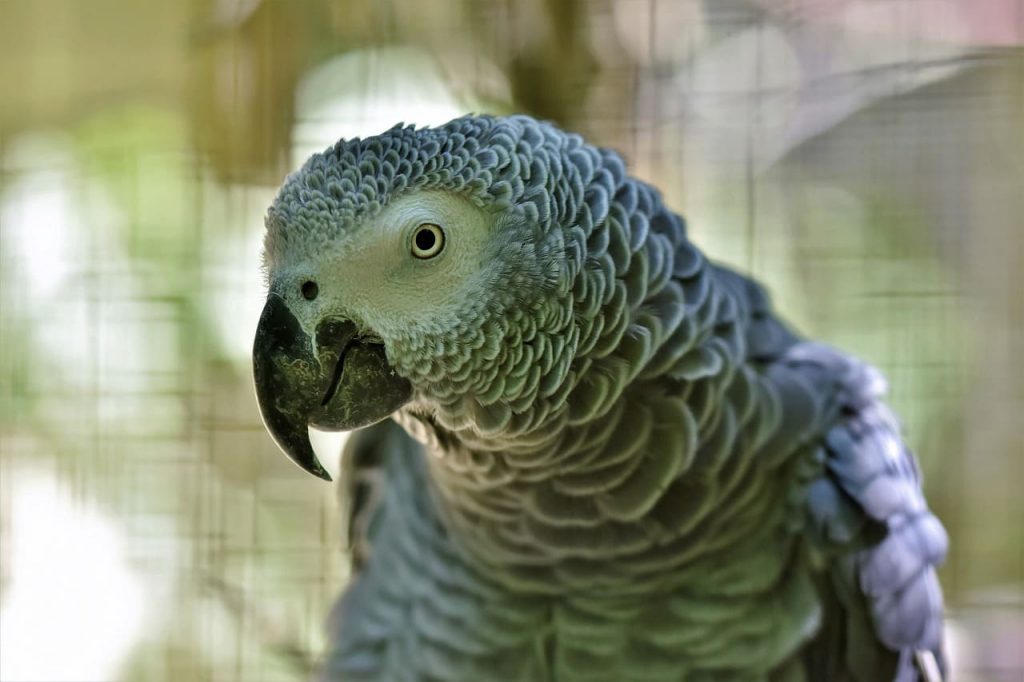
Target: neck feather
650, 442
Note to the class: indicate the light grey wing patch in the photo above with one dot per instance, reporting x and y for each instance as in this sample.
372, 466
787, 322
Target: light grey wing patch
868, 512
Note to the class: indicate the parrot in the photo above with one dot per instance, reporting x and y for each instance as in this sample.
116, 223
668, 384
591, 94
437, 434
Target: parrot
582, 449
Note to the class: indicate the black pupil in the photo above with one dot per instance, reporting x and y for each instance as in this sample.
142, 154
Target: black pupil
425, 240
310, 290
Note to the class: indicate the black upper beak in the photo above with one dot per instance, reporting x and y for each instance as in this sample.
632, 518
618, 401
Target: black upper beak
346, 384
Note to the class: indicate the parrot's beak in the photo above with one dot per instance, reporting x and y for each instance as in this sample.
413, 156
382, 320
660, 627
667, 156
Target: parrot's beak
346, 383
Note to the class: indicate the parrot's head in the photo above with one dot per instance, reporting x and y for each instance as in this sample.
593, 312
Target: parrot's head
429, 271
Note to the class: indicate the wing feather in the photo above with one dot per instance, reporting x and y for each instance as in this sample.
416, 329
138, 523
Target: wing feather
869, 518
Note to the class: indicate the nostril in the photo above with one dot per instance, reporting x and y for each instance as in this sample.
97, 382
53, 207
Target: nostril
310, 290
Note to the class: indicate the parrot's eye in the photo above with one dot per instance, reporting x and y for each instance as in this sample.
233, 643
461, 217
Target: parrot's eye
428, 240
310, 290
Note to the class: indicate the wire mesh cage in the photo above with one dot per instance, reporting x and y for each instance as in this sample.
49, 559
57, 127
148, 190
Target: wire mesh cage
863, 158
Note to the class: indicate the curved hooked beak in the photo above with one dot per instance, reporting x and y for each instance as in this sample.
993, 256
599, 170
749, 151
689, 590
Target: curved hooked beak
345, 384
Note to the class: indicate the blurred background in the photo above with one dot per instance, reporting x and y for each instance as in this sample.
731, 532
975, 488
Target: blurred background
865, 158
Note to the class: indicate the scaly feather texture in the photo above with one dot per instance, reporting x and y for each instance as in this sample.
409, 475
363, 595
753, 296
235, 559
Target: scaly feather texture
622, 465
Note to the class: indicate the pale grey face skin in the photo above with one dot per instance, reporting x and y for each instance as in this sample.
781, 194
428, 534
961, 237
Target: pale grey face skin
373, 277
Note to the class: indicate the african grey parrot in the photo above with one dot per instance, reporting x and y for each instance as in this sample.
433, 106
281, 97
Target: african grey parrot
612, 461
